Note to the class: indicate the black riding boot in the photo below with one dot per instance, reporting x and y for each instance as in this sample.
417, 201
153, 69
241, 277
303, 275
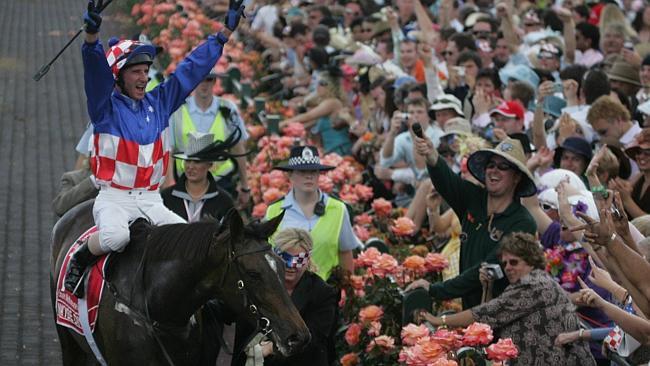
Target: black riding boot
79, 261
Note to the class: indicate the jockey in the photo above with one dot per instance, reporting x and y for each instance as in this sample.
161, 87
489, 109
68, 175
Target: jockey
131, 142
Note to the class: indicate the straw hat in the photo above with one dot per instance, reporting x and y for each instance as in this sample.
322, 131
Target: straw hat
513, 152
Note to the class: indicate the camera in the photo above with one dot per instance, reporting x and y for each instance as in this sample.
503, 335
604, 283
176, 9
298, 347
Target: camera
494, 270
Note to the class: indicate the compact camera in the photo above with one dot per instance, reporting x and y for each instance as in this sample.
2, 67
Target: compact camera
494, 270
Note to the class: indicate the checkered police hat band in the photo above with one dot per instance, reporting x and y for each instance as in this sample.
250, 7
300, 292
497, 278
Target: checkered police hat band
299, 160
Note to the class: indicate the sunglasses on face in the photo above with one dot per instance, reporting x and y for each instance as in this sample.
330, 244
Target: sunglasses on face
323, 83
293, 261
503, 166
511, 262
446, 53
449, 139
481, 34
644, 152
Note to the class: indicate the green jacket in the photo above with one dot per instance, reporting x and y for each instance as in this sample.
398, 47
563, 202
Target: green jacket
469, 202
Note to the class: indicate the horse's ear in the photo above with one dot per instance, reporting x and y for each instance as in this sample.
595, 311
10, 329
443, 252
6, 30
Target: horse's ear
234, 223
267, 228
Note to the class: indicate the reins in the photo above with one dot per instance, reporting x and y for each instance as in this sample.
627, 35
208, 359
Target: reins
155, 328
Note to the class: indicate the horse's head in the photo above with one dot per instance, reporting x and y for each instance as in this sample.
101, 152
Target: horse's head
256, 278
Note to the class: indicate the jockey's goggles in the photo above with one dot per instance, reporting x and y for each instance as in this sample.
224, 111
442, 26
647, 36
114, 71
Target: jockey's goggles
293, 261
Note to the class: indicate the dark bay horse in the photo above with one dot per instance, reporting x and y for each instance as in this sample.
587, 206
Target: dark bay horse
150, 312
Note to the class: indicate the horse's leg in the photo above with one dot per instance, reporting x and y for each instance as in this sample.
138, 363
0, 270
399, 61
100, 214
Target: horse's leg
72, 353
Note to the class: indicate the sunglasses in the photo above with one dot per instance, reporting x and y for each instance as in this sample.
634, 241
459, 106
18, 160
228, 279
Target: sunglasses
481, 34
293, 261
446, 53
511, 262
449, 139
323, 83
644, 152
501, 166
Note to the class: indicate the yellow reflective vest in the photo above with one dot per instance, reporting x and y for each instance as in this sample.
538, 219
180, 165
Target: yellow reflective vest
325, 235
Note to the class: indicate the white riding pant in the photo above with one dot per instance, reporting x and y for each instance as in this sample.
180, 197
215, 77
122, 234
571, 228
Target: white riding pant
115, 209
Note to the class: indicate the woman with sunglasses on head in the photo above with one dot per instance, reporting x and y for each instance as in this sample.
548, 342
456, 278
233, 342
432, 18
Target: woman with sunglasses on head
314, 299
532, 310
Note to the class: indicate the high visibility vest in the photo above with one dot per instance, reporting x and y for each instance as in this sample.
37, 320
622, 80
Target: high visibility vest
219, 168
325, 235
152, 84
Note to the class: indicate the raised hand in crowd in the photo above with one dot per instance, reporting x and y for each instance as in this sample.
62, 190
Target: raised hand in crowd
482, 101
425, 148
543, 159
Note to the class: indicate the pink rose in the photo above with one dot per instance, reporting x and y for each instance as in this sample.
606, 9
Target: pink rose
403, 226
412, 333
350, 359
383, 342
477, 334
363, 219
435, 262
368, 257
259, 211
443, 361
423, 353
337, 176
325, 183
382, 207
375, 328
503, 350
361, 232
332, 159
363, 192
271, 195
414, 263
370, 313
385, 265
447, 338
352, 334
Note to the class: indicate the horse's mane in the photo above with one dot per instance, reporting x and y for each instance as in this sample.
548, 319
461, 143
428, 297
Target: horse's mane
189, 241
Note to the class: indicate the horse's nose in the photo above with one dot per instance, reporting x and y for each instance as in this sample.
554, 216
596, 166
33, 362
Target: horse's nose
299, 340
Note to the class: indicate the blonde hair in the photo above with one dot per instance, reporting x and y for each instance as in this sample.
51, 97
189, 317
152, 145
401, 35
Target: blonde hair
607, 108
612, 18
295, 238
609, 164
642, 223
334, 87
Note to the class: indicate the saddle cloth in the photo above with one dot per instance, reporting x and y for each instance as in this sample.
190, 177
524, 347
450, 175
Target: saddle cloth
67, 307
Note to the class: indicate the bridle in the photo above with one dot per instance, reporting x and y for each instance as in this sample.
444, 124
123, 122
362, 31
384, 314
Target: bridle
155, 328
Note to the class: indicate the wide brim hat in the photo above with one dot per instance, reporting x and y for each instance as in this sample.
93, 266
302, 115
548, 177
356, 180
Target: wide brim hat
513, 152
303, 158
624, 72
457, 126
635, 148
576, 145
196, 143
519, 72
446, 101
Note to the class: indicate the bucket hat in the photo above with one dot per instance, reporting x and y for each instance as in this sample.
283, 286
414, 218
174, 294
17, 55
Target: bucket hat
576, 145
